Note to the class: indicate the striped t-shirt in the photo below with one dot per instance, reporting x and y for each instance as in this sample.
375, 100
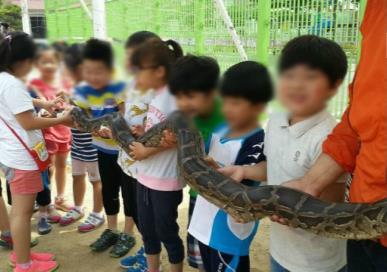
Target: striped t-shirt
100, 103
82, 148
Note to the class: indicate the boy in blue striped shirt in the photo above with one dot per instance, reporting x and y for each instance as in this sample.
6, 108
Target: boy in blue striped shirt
100, 95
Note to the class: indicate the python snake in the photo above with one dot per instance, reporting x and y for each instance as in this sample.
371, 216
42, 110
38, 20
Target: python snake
333, 220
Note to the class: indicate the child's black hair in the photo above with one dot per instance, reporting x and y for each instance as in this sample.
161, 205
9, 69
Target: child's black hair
316, 52
60, 47
249, 80
155, 53
139, 37
73, 56
99, 50
15, 47
41, 48
194, 73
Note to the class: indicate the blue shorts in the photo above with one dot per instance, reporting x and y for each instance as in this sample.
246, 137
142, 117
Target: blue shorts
214, 260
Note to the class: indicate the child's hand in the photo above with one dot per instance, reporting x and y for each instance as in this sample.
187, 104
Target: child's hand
66, 118
138, 151
137, 130
51, 105
236, 172
105, 132
169, 139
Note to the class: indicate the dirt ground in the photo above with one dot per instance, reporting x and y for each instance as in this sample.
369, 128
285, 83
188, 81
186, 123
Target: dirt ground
73, 253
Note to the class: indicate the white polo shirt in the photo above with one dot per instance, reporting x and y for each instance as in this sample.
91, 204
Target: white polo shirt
291, 151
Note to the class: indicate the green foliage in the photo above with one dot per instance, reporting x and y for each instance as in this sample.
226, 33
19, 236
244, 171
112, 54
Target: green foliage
11, 14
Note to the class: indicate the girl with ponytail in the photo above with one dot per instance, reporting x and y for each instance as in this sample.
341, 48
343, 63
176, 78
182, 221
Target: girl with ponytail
159, 191
23, 155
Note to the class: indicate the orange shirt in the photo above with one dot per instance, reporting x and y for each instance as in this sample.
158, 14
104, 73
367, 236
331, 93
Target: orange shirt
359, 142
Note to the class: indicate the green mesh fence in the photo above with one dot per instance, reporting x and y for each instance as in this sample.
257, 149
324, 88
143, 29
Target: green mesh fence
264, 26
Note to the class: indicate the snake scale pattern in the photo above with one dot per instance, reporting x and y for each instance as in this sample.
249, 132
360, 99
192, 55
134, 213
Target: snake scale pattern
334, 220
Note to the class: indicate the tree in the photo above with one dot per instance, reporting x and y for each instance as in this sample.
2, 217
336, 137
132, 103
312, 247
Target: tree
11, 14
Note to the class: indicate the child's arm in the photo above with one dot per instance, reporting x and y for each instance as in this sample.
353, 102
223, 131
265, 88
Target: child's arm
141, 152
49, 106
255, 172
29, 121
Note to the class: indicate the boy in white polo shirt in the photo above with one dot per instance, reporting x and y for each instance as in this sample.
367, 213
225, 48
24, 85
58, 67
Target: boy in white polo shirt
311, 69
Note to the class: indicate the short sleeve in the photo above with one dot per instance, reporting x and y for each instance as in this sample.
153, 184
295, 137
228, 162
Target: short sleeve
18, 99
80, 99
251, 152
122, 94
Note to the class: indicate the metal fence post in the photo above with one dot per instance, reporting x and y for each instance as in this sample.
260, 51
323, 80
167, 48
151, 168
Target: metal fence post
263, 37
199, 20
156, 16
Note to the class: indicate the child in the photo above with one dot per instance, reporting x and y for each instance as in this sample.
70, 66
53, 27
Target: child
136, 107
159, 191
102, 96
311, 70
224, 243
84, 159
57, 138
193, 81
17, 50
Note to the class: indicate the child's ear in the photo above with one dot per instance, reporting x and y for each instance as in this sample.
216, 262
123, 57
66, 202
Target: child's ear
161, 72
260, 107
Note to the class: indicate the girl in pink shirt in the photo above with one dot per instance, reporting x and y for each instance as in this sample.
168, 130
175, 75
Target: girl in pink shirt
58, 138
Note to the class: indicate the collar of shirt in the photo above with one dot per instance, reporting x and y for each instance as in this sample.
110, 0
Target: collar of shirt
300, 128
161, 90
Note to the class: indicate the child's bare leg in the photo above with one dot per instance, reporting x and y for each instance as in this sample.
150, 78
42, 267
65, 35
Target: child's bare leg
60, 173
177, 267
43, 211
153, 262
97, 195
21, 212
129, 225
4, 219
79, 189
112, 222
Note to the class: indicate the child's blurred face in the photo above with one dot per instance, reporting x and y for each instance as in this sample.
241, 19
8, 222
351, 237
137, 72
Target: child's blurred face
96, 73
76, 74
196, 103
240, 112
48, 63
149, 77
304, 91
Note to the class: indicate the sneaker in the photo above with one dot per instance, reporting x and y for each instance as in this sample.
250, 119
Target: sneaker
124, 244
35, 256
37, 266
91, 223
106, 240
137, 267
36, 207
6, 242
44, 227
71, 217
61, 204
53, 215
129, 261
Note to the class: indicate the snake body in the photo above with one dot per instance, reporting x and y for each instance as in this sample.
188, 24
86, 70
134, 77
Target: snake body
334, 220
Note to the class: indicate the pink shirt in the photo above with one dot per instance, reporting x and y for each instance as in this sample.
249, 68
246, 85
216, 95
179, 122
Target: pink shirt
59, 133
159, 172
